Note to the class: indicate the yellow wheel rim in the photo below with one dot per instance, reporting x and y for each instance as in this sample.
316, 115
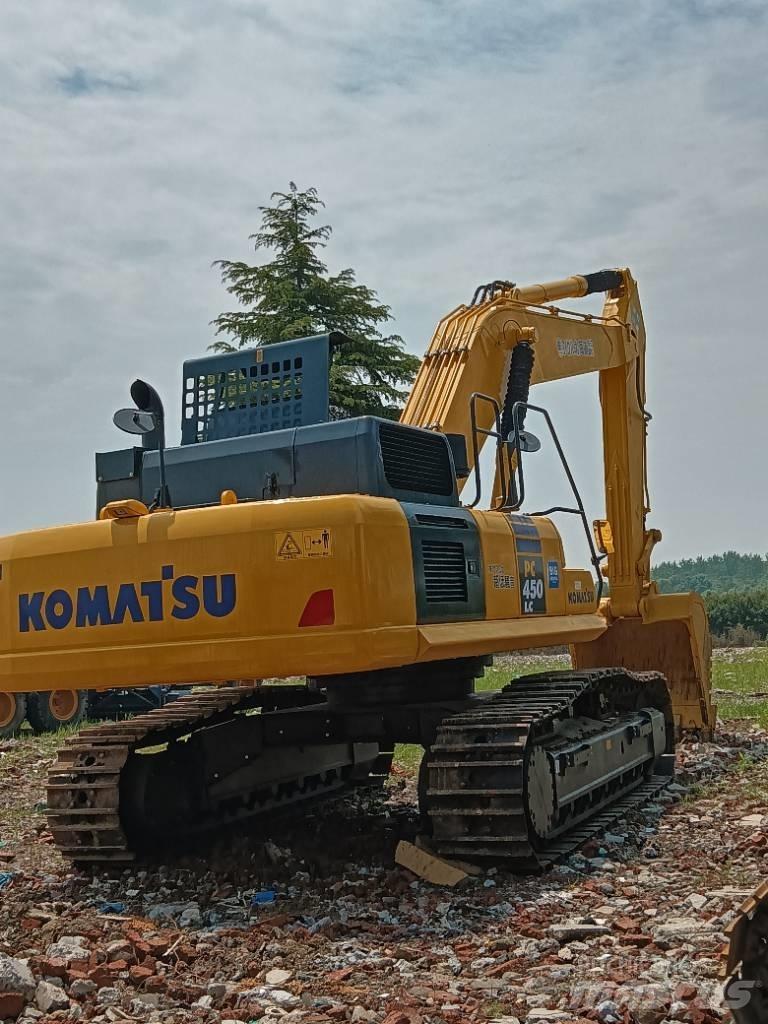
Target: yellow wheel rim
7, 709
63, 704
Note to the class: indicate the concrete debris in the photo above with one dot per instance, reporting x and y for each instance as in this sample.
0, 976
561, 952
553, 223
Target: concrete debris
338, 916
576, 930
680, 928
278, 977
107, 996
15, 976
696, 900
82, 987
69, 948
751, 821
49, 997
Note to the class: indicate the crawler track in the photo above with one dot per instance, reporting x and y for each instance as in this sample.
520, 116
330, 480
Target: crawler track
521, 777
94, 786
491, 789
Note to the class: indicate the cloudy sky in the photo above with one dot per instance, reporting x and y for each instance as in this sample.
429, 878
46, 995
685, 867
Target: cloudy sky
452, 142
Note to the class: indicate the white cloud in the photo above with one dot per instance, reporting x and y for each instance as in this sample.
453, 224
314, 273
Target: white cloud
453, 143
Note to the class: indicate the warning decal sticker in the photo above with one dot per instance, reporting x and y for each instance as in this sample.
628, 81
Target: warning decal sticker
286, 547
304, 544
317, 543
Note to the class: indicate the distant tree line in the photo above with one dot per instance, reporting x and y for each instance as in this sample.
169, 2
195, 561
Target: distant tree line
735, 589
738, 617
729, 571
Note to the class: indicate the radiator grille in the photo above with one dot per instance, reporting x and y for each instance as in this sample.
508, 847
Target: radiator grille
445, 571
415, 460
448, 522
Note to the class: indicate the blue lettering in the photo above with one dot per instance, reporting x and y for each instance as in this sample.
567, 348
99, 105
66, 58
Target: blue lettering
58, 609
127, 601
153, 591
93, 607
187, 602
216, 605
134, 602
31, 611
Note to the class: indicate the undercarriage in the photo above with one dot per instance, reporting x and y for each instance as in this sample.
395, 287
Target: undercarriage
519, 776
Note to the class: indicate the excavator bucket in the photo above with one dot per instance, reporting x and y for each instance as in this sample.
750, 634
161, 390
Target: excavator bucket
670, 636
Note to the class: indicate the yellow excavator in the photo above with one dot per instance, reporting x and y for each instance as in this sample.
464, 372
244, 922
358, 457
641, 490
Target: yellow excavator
276, 542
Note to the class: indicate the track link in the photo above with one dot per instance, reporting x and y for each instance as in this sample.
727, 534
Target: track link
86, 795
483, 792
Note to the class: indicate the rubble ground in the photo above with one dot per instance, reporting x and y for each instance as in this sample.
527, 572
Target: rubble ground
306, 917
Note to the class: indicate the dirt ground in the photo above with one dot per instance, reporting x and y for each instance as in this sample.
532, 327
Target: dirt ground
307, 918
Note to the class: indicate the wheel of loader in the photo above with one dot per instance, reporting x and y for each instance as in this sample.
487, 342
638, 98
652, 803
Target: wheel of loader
49, 712
13, 711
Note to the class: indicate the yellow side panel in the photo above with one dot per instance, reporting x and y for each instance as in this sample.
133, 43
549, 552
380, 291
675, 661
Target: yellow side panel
502, 592
525, 575
266, 559
312, 586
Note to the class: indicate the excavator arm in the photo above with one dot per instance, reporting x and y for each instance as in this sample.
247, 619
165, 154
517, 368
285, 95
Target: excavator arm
509, 331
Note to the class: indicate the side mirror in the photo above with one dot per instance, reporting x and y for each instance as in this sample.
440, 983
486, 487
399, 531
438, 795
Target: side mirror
135, 421
149, 421
528, 442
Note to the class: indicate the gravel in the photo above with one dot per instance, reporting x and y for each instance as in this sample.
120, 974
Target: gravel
612, 935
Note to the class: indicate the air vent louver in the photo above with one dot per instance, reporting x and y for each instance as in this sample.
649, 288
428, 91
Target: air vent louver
445, 571
446, 522
415, 460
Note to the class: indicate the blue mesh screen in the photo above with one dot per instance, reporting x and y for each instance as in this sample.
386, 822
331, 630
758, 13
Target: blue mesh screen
255, 390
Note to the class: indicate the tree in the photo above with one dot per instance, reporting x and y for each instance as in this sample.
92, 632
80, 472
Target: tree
294, 296
729, 571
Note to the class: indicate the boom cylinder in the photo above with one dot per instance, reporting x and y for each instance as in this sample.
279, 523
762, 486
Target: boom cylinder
518, 384
574, 287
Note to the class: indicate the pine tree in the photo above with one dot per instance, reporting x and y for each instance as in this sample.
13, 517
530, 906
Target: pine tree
294, 296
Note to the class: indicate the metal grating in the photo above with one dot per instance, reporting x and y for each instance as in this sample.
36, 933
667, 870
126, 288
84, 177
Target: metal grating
445, 571
442, 522
415, 460
253, 391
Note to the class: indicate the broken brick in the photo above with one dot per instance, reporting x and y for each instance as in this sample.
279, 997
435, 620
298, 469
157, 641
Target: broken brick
11, 1005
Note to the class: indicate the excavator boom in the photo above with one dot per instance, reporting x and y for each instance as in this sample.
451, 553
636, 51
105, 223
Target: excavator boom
473, 352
